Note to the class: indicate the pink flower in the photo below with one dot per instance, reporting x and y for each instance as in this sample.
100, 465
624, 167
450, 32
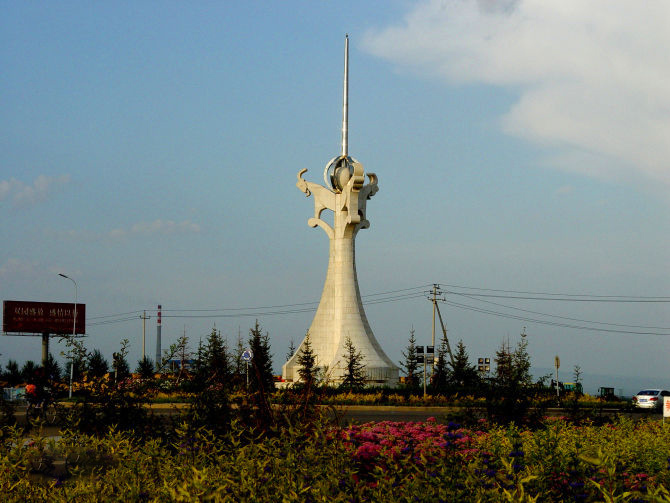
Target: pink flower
367, 451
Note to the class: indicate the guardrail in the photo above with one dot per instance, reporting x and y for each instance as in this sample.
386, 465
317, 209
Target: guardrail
14, 394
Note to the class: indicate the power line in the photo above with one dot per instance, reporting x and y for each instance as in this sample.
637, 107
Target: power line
280, 306
273, 310
562, 317
562, 296
405, 294
215, 314
636, 300
114, 315
549, 323
112, 321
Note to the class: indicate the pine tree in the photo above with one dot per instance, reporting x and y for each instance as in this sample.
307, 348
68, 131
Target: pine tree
183, 355
410, 365
12, 373
97, 365
307, 362
521, 362
509, 398
441, 373
291, 350
354, 368
463, 374
120, 362
260, 375
238, 365
211, 364
513, 367
52, 370
121, 367
199, 368
28, 371
504, 373
145, 368
217, 359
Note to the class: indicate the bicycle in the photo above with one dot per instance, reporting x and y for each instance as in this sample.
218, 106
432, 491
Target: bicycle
44, 410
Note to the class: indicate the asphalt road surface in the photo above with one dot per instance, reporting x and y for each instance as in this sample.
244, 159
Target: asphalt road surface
346, 414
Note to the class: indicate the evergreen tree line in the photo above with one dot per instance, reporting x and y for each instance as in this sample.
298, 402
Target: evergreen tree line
311, 375
212, 363
215, 363
453, 373
509, 389
94, 366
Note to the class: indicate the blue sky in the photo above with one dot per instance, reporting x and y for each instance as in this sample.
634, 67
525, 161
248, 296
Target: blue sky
149, 150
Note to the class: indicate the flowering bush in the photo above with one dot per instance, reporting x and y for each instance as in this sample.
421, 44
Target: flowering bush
384, 461
624, 461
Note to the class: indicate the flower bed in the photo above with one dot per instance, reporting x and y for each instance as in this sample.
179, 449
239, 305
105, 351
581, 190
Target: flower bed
625, 461
385, 461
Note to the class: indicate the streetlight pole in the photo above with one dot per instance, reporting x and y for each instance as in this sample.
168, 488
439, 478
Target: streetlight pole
144, 319
74, 328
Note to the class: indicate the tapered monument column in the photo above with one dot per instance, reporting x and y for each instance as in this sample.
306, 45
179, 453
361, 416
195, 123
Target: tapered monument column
340, 314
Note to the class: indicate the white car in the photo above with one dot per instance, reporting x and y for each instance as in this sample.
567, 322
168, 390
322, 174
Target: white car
650, 398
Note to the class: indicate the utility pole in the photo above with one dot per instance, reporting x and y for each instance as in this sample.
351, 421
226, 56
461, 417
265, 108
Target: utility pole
425, 357
434, 300
437, 291
144, 319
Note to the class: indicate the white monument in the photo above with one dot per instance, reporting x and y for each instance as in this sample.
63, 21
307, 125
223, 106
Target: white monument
340, 314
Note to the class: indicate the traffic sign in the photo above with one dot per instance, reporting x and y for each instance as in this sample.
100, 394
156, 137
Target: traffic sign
247, 355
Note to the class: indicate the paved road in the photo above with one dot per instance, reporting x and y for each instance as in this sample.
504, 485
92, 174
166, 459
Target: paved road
346, 414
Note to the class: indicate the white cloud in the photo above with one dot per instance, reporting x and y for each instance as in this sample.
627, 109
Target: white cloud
22, 194
591, 76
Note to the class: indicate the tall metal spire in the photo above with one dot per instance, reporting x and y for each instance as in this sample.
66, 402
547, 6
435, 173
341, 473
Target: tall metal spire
345, 100
341, 315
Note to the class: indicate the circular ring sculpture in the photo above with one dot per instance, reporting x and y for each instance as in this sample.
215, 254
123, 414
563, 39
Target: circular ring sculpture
338, 171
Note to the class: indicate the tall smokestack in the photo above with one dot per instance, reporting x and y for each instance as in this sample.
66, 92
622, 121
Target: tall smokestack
158, 338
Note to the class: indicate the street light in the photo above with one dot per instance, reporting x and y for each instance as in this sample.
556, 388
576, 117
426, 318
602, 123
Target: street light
74, 327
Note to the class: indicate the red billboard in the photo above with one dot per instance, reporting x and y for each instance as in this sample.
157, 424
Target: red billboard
42, 317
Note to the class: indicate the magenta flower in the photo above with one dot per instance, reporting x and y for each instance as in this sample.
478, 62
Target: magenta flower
368, 451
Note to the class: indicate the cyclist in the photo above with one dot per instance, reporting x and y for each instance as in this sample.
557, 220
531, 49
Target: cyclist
38, 395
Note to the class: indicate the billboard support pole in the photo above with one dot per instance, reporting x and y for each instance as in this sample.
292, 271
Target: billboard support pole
45, 349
